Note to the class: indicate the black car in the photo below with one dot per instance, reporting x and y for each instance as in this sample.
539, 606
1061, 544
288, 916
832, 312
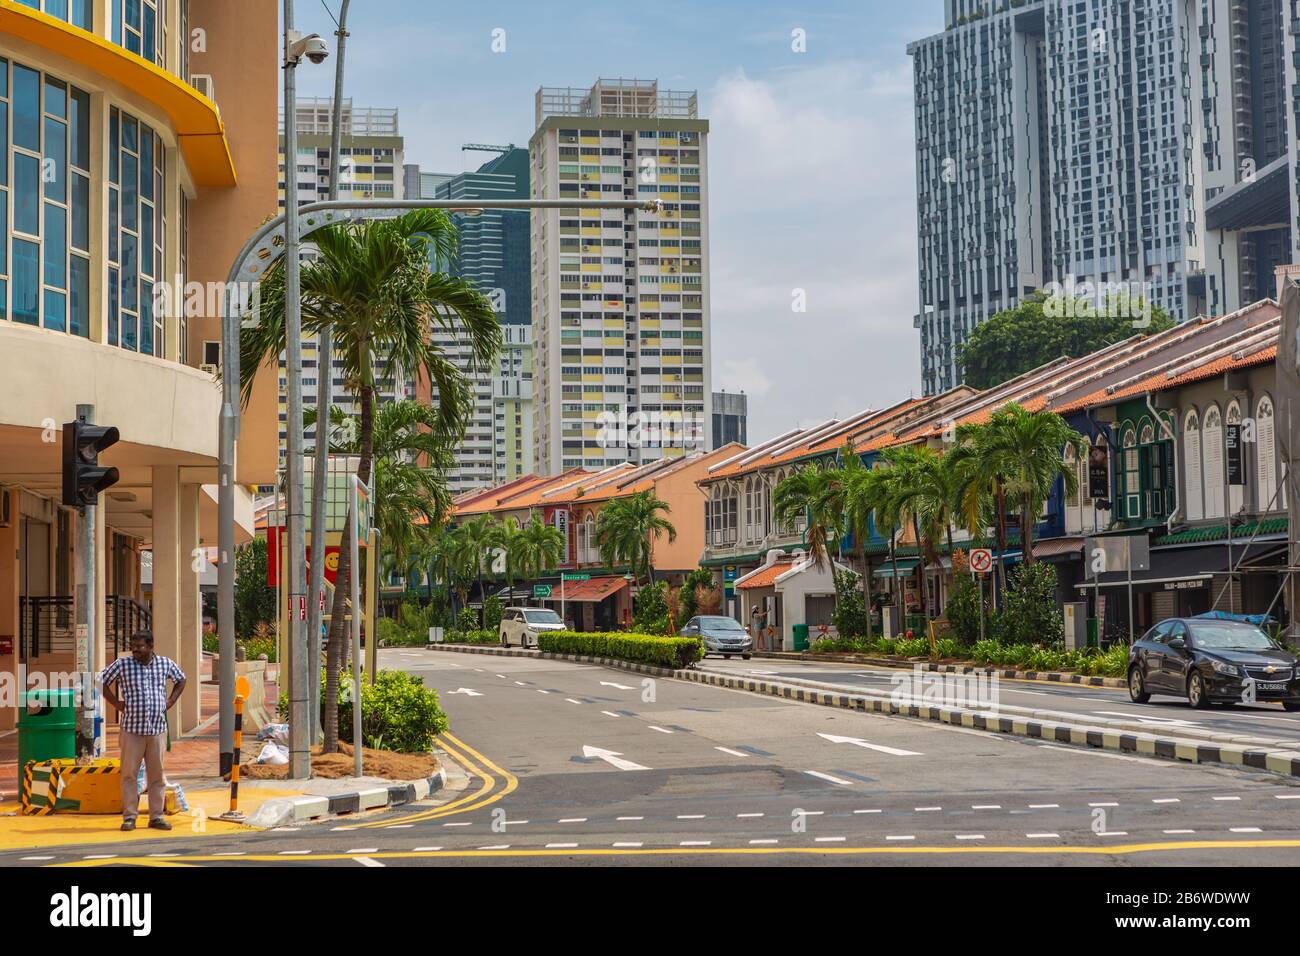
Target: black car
1212, 661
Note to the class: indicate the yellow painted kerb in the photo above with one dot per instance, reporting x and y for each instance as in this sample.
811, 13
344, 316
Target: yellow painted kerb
193, 116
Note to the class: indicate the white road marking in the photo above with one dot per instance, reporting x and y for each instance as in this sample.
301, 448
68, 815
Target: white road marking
289, 853
866, 811
1167, 800
611, 757
426, 849
369, 849
513, 823
540, 691
606, 683
761, 842
33, 859
690, 816
1244, 830
661, 730
367, 861
164, 854
859, 742
1221, 799
1286, 796
610, 713
631, 846
696, 843
572, 701
1043, 836
560, 846
1173, 832
1103, 804
399, 826
1114, 833
909, 837
232, 853
457, 824
498, 846
986, 806
573, 820
1044, 806
623, 819
829, 839
100, 856
504, 677
747, 815
734, 753
813, 813
970, 836
467, 691
926, 809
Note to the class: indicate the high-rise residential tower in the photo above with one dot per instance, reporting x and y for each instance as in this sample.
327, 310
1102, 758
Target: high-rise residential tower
1083, 142
620, 299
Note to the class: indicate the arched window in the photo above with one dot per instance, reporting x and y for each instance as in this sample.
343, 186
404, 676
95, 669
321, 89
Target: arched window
1194, 495
588, 550
1212, 455
1131, 473
1236, 493
1266, 464
764, 509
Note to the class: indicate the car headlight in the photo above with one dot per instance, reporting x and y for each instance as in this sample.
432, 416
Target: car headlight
1221, 667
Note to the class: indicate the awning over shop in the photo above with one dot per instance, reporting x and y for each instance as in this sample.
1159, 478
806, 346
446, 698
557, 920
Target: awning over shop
591, 591
1171, 566
1058, 548
905, 567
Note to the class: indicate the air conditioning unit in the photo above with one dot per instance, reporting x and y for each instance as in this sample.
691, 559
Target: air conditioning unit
210, 369
203, 83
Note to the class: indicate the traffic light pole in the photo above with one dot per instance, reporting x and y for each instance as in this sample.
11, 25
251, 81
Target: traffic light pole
87, 665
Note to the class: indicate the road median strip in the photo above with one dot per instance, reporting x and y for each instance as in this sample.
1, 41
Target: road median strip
285, 811
1056, 677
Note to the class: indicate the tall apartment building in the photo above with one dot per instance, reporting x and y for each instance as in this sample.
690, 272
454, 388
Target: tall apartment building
730, 418
1060, 141
620, 301
371, 154
493, 253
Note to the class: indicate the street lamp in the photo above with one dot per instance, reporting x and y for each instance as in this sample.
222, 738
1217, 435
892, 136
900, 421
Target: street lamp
259, 254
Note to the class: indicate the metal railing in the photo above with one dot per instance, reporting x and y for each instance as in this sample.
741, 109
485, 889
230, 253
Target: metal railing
45, 627
125, 616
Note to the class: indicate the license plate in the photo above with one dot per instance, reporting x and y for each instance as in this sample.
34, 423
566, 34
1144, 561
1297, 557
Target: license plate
1273, 685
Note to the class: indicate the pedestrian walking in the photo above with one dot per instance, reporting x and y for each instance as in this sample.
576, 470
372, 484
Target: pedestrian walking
137, 687
758, 621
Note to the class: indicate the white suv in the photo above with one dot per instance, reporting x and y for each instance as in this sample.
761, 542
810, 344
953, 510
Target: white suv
521, 625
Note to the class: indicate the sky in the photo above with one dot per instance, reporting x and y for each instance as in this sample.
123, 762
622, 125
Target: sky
811, 157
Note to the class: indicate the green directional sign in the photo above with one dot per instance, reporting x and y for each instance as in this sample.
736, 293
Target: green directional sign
575, 576
541, 590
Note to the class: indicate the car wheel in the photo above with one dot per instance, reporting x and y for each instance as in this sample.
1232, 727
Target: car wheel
1196, 694
746, 656
726, 657
1137, 689
1291, 705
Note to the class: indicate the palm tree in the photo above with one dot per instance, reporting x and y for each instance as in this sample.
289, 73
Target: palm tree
539, 548
627, 528
816, 495
372, 286
509, 538
479, 537
858, 501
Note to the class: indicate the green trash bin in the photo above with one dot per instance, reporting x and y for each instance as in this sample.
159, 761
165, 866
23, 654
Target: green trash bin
801, 637
47, 726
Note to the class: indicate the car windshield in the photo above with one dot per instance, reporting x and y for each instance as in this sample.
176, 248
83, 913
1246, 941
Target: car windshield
1225, 637
720, 623
542, 617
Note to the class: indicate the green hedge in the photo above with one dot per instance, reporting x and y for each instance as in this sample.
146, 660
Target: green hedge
674, 652
1030, 657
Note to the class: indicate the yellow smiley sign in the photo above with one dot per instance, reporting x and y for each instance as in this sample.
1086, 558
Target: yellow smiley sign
331, 561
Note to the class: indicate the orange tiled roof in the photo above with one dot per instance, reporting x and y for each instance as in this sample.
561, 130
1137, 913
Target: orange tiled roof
765, 577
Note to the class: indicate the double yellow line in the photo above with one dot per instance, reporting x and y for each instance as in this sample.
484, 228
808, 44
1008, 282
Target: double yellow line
498, 784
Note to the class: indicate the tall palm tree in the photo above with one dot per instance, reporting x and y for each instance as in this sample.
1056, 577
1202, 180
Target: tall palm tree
815, 494
373, 287
538, 549
858, 501
479, 538
627, 528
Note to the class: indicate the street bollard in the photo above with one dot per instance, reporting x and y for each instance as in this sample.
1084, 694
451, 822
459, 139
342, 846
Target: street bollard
241, 694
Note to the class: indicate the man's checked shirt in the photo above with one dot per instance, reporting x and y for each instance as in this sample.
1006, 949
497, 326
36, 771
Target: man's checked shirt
143, 691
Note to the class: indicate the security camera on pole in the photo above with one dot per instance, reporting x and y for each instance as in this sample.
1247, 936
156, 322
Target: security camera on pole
314, 49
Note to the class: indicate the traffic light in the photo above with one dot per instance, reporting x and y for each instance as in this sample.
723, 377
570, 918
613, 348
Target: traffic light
83, 479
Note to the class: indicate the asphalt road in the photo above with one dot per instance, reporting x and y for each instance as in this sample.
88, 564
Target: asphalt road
584, 765
1167, 712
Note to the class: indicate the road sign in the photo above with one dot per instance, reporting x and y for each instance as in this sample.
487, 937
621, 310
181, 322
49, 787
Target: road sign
541, 590
575, 576
981, 560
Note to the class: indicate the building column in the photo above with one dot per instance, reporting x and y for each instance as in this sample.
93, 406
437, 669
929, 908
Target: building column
191, 608
167, 565
9, 607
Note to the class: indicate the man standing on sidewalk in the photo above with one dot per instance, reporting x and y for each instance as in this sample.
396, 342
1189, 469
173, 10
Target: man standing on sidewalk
144, 702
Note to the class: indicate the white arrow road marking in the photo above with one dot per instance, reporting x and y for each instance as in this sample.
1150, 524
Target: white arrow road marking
467, 692
826, 776
606, 683
367, 861
734, 753
661, 730
857, 742
612, 758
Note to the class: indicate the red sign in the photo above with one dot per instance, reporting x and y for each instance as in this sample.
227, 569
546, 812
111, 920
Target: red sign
273, 537
6, 645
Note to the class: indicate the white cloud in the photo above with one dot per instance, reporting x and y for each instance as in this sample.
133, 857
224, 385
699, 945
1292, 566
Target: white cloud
811, 179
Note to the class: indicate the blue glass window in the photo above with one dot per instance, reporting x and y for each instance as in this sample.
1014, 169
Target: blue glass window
79, 297
56, 98
27, 108
27, 193
57, 8
112, 226
146, 163
150, 52
112, 306
117, 21
56, 160
55, 311
146, 318
55, 246
112, 146
130, 272
82, 14
4, 137
79, 124
130, 192
26, 282
80, 212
